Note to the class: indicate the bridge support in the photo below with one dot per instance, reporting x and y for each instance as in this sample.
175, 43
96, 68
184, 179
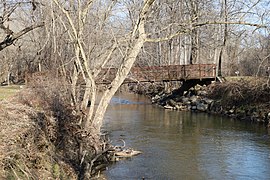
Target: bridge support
186, 85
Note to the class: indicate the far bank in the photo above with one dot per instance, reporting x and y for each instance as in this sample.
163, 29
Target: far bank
241, 98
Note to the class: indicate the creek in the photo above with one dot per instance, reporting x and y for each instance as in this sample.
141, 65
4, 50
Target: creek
184, 145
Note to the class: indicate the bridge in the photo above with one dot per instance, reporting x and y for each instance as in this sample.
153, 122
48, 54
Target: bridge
161, 73
197, 72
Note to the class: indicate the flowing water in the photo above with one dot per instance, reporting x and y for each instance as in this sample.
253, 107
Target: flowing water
184, 145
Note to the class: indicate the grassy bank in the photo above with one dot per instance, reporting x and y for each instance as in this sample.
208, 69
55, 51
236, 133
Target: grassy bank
242, 92
244, 98
240, 97
27, 148
9, 91
42, 136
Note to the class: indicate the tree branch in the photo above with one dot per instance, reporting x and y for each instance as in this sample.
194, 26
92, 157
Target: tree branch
186, 29
232, 23
171, 36
13, 37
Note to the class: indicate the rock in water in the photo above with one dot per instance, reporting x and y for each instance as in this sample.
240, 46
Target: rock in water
193, 108
202, 107
185, 100
168, 107
171, 103
194, 100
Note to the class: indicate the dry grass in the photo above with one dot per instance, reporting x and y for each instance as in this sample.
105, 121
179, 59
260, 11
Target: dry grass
242, 91
8, 91
244, 78
42, 137
26, 150
14, 122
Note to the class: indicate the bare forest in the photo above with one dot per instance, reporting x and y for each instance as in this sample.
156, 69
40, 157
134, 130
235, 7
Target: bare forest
63, 45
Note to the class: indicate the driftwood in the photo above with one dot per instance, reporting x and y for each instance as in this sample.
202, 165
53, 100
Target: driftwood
127, 153
122, 152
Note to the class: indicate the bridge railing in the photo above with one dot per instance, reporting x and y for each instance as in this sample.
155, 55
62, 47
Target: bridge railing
161, 73
174, 72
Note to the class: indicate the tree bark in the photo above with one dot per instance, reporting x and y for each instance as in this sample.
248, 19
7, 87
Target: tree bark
220, 58
194, 32
125, 66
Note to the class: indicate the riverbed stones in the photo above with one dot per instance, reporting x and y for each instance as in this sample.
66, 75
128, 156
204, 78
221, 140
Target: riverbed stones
197, 88
181, 107
193, 108
207, 101
202, 107
171, 102
202, 93
191, 100
185, 100
168, 107
196, 99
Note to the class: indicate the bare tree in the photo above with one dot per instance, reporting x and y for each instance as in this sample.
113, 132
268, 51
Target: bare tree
135, 38
13, 26
8, 9
123, 43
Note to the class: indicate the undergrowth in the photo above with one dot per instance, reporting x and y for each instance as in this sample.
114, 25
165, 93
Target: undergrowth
241, 93
42, 137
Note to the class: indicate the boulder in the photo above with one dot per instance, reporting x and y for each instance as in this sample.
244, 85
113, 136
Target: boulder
181, 107
207, 101
197, 87
186, 93
202, 107
179, 104
178, 107
171, 102
191, 91
178, 98
185, 100
193, 99
168, 107
193, 108
201, 93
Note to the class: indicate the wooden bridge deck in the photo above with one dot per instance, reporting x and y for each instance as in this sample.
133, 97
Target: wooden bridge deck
161, 73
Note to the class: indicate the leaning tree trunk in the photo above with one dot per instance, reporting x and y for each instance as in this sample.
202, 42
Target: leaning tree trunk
119, 79
140, 36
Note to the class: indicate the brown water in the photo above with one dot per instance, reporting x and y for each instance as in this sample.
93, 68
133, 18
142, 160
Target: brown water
184, 145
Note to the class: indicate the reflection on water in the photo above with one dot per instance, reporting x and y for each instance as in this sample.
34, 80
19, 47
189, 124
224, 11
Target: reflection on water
184, 145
